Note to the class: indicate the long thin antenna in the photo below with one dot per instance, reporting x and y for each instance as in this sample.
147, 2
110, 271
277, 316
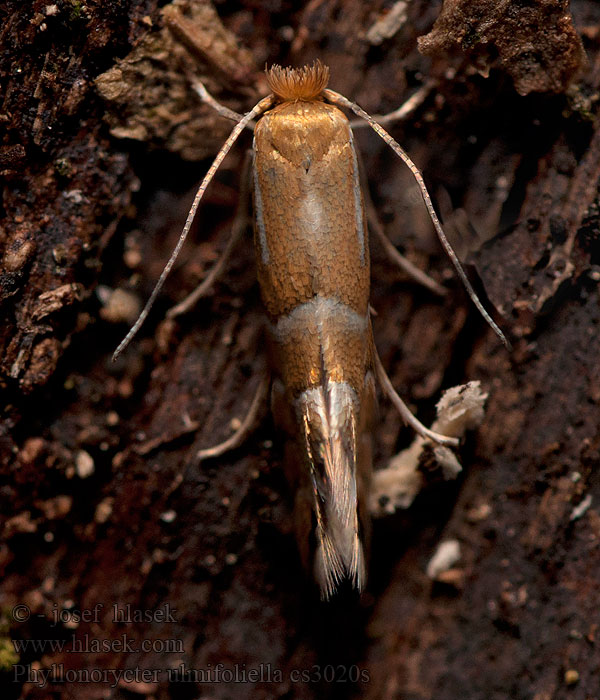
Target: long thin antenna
336, 98
258, 109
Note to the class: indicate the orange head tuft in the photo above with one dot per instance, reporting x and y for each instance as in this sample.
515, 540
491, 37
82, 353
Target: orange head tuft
304, 84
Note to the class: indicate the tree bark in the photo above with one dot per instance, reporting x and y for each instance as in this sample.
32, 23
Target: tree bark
104, 508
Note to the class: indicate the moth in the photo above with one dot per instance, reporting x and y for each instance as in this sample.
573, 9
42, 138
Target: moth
312, 258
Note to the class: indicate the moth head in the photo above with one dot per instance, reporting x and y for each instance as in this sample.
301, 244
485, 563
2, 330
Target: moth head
298, 84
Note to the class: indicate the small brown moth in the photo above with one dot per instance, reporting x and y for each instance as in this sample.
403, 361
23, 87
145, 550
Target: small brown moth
312, 256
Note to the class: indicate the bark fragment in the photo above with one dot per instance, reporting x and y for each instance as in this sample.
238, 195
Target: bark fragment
149, 92
534, 42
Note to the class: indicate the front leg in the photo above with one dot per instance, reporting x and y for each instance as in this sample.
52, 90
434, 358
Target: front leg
240, 223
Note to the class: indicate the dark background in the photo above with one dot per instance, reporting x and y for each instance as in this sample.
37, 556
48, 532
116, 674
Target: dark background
97, 181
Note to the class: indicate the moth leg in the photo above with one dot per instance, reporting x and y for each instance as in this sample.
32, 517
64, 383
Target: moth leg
397, 258
238, 228
258, 403
208, 99
405, 109
404, 411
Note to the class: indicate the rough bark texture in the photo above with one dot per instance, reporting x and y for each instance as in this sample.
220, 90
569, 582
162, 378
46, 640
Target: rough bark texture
101, 501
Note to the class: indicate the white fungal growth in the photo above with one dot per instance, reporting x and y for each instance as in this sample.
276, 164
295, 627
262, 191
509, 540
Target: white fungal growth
461, 408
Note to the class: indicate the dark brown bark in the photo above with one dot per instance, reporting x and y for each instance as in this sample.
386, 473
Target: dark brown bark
101, 501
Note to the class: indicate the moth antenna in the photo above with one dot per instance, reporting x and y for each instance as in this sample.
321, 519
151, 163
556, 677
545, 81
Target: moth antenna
336, 98
258, 109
